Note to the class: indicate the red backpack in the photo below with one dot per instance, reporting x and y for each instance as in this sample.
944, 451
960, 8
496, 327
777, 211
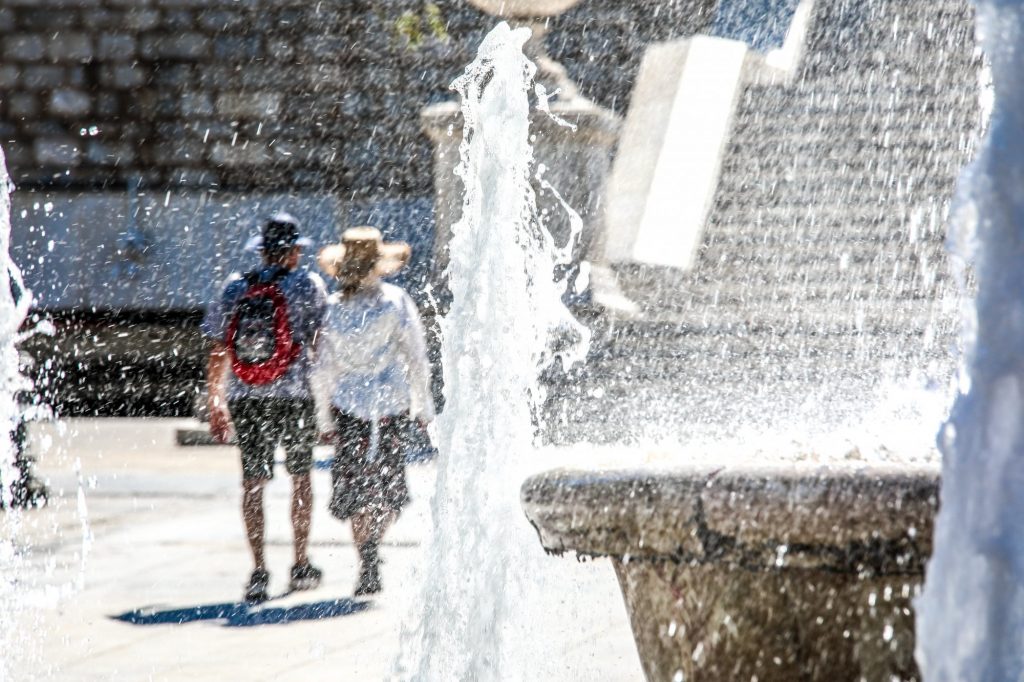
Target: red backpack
260, 338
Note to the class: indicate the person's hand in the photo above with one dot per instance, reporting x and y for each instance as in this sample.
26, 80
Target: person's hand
220, 422
328, 437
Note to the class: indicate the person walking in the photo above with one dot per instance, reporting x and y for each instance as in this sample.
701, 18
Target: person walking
371, 381
260, 329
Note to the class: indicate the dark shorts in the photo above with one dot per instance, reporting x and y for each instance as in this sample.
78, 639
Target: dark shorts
367, 482
262, 424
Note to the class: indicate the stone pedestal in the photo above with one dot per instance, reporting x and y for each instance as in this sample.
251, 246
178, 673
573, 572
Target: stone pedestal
577, 163
794, 573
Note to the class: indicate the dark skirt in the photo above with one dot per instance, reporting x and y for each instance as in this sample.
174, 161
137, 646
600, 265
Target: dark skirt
368, 480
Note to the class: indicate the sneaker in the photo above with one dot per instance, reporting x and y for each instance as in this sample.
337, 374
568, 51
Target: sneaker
256, 592
305, 577
28, 491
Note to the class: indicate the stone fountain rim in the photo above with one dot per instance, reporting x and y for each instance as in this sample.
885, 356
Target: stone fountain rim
874, 518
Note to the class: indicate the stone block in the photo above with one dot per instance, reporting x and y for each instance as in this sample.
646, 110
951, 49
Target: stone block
120, 46
24, 48
18, 153
101, 18
192, 177
179, 153
178, 19
141, 19
75, 76
44, 127
154, 104
45, 20
60, 152
218, 76
9, 76
217, 20
108, 105
69, 103
7, 19
254, 105
325, 47
22, 105
211, 130
186, 45
238, 48
103, 153
43, 77
170, 130
124, 76
197, 104
240, 154
256, 76
70, 47
280, 49
174, 75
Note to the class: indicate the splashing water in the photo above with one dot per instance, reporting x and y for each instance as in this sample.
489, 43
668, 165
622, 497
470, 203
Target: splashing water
507, 307
971, 614
12, 314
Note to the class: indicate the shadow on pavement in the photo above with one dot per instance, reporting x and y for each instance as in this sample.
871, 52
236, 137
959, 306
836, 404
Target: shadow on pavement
239, 614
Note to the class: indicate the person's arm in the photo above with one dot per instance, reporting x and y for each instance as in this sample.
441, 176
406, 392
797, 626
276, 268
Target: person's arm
218, 362
413, 343
321, 381
217, 403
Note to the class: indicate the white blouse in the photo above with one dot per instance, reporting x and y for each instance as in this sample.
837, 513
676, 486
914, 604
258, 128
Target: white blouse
370, 358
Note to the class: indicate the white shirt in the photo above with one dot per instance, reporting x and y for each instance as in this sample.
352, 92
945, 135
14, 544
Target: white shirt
370, 358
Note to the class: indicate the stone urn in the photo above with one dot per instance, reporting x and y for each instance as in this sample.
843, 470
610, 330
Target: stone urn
795, 572
577, 158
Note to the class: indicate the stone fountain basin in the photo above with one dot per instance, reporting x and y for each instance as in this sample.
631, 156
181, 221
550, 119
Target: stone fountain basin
794, 571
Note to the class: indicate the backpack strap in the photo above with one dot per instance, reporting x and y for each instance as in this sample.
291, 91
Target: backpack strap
252, 278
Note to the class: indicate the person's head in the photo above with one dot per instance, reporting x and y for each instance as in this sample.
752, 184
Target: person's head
280, 243
362, 257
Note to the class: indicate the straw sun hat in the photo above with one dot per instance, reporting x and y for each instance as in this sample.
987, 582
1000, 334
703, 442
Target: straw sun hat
390, 257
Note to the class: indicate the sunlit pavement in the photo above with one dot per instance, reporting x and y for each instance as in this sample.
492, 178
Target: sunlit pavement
145, 583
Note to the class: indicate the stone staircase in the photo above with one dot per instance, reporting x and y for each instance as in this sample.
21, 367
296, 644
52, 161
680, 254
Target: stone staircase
822, 269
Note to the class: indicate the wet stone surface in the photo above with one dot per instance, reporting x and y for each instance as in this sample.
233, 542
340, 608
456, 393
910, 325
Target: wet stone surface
779, 573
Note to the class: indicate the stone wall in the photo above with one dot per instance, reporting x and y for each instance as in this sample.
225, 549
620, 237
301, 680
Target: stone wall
265, 94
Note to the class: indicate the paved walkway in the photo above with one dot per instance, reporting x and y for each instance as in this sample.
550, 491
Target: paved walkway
144, 584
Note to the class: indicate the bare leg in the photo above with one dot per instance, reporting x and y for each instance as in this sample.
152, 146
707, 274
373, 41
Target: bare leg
367, 531
302, 515
368, 528
252, 514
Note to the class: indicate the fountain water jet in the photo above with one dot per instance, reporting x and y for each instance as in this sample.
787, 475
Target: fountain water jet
497, 335
971, 614
12, 314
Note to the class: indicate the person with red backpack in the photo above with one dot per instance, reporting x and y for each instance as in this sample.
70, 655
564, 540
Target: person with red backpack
260, 329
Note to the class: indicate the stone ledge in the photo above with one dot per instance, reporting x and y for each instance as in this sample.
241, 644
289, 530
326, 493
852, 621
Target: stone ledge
874, 520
